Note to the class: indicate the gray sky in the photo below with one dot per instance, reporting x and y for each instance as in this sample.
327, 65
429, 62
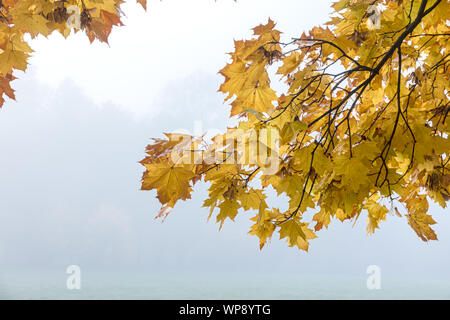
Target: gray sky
69, 177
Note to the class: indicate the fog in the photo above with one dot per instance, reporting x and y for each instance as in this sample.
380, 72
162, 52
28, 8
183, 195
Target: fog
70, 194
70, 179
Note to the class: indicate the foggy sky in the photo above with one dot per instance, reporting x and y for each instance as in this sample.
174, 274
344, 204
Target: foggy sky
70, 178
70, 146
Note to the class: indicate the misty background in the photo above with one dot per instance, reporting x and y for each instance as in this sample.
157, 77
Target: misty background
70, 177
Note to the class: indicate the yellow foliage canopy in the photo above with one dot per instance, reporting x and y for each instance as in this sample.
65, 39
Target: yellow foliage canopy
42, 17
362, 126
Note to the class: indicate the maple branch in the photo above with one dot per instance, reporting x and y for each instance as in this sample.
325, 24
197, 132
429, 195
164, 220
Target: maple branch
360, 67
359, 90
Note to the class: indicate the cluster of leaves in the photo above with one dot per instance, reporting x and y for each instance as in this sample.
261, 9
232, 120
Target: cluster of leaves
363, 124
42, 17
363, 121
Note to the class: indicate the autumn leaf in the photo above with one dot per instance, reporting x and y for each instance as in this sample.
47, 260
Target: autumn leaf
296, 234
420, 222
40, 17
376, 213
143, 3
172, 183
10, 59
418, 218
228, 209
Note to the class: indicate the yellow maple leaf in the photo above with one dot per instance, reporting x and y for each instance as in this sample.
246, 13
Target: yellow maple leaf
420, 222
296, 234
228, 209
290, 63
258, 98
172, 183
10, 58
377, 213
